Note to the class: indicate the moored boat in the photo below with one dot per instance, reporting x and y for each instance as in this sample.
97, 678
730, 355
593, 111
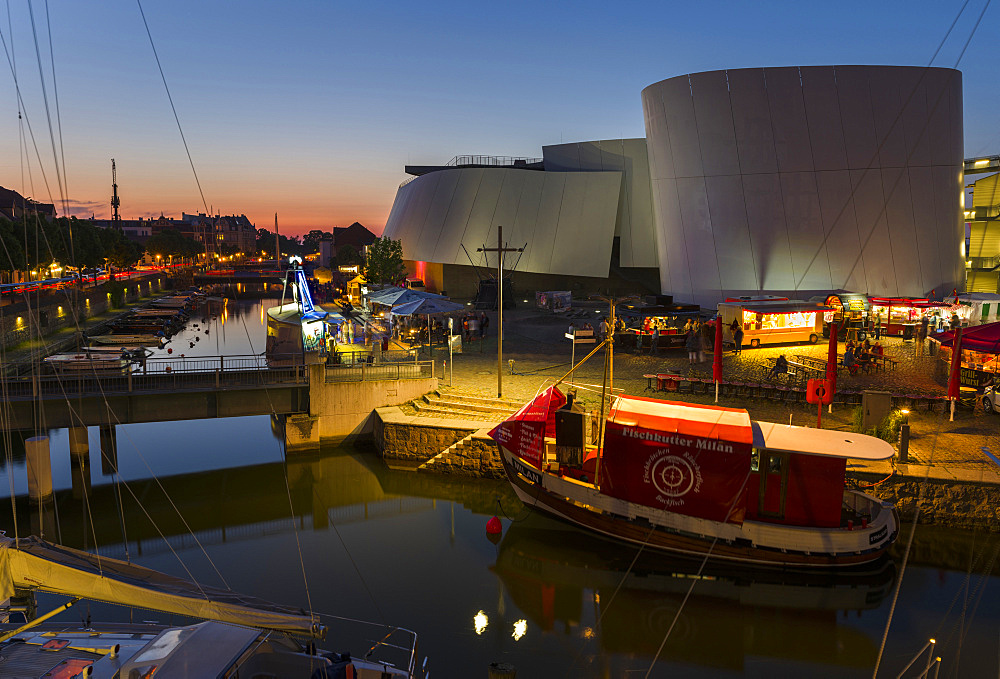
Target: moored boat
240, 636
702, 481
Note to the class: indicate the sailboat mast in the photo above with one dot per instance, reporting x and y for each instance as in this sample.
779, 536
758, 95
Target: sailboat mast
277, 245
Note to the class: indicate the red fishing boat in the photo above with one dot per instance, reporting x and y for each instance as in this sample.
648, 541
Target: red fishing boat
699, 480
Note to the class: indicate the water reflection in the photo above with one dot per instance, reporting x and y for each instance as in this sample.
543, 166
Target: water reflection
571, 584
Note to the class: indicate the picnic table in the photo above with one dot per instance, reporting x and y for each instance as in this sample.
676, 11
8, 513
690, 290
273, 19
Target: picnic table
797, 369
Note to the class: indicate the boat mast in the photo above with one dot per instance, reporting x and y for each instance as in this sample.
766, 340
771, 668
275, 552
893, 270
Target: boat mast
608, 384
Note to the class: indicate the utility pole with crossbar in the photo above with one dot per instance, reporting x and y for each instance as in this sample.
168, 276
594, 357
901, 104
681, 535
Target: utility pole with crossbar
500, 249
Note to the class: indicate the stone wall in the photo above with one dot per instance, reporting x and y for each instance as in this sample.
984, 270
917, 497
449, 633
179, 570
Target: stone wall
958, 504
345, 409
413, 442
478, 457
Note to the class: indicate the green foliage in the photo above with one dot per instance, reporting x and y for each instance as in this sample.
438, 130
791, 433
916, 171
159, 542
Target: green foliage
71, 242
117, 292
887, 429
169, 242
289, 246
385, 261
310, 241
348, 254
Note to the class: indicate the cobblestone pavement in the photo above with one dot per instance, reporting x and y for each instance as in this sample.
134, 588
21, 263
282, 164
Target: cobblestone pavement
534, 341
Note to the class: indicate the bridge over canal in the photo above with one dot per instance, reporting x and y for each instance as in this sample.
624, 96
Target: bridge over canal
336, 399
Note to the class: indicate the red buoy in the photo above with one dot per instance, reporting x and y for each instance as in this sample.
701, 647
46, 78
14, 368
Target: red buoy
494, 527
168, 368
169, 350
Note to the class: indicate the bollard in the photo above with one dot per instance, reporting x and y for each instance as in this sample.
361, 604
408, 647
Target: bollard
39, 465
500, 670
904, 443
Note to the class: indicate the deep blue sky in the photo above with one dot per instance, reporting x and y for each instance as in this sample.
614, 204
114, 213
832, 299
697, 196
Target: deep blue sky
311, 109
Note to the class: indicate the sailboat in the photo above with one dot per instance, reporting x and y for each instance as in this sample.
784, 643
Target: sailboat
240, 635
697, 480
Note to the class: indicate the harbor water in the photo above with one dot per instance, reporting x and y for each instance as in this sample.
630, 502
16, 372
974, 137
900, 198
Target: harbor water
338, 533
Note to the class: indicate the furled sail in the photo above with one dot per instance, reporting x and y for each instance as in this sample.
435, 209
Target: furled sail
39, 565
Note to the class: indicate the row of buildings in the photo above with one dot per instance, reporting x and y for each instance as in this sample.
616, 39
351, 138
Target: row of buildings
786, 181
235, 232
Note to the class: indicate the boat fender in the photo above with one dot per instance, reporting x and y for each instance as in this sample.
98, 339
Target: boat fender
169, 350
494, 527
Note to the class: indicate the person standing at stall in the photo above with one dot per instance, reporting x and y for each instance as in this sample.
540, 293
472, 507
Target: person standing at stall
692, 343
654, 345
920, 336
737, 339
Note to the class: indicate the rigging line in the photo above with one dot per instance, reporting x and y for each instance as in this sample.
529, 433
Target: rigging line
48, 115
850, 198
172, 107
906, 552
695, 580
288, 492
27, 120
62, 151
8, 437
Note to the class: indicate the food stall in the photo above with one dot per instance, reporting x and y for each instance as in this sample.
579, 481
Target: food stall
850, 312
900, 315
976, 308
775, 321
641, 319
980, 355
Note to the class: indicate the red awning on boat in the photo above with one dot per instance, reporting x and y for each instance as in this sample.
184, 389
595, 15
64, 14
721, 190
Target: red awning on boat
691, 419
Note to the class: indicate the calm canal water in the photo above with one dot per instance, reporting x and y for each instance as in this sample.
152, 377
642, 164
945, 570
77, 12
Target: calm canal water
411, 550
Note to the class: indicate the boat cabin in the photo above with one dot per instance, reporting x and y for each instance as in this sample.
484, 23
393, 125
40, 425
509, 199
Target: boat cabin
797, 473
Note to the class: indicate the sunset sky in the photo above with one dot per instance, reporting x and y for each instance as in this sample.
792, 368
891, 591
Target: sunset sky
311, 109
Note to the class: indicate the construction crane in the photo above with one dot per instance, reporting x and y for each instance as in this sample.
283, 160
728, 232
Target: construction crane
116, 220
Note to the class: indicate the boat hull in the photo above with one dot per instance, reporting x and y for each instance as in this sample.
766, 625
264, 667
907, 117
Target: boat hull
534, 493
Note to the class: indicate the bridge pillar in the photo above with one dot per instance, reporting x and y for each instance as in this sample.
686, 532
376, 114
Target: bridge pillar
109, 450
301, 433
79, 461
79, 441
39, 465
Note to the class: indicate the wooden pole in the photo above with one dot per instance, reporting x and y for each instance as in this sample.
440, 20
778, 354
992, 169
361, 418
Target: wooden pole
500, 311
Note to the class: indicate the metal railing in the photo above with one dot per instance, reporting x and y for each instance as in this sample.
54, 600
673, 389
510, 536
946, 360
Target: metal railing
158, 374
492, 161
364, 372
984, 263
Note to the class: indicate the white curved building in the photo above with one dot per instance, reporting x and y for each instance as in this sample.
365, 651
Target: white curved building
802, 179
792, 180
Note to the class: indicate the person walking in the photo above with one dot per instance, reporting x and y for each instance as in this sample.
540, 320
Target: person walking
654, 346
920, 336
738, 339
692, 343
484, 322
878, 325
700, 329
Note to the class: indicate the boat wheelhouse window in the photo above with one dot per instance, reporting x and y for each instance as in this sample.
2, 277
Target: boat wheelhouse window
774, 464
755, 460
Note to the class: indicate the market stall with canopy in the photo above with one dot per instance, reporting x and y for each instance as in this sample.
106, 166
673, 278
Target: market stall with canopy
426, 307
980, 349
976, 308
900, 315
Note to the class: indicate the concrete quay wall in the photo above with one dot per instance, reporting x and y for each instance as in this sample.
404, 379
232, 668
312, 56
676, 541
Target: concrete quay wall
943, 502
345, 410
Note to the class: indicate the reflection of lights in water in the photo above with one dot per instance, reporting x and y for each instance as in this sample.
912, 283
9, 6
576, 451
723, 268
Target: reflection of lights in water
588, 633
480, 621
262, 313
520, 627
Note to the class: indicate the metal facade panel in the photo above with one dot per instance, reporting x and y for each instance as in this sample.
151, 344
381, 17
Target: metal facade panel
699, 237
449, 250
506, 209
752, 120
525, 223
561, 157
806, 239
876, 246
914, 121
481, 229
887, 113
549, 206
590, 155
788, 117
899, 217
661, 161
826, 132
948, 186
433, 224
768, 232
856, 115
395, 224
925, 231
671, 245
420, 205
843, 244
729, 220
640, 240
586, 224
714, 116
682, 127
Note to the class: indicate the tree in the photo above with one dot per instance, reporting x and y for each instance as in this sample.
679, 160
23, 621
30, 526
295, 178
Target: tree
125, 254
169, 242
348, 254
385, 261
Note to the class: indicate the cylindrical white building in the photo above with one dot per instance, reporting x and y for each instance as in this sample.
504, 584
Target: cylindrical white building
796, 180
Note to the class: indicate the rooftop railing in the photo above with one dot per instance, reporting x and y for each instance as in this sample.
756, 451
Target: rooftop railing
492, 161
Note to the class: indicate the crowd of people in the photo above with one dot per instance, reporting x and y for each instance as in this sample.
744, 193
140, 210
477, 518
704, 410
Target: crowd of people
861, 355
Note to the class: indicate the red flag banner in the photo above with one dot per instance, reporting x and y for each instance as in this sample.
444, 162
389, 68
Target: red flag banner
702, 476
524, 432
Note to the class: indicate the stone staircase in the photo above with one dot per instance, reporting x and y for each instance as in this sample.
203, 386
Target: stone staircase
470, 456
457, 405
